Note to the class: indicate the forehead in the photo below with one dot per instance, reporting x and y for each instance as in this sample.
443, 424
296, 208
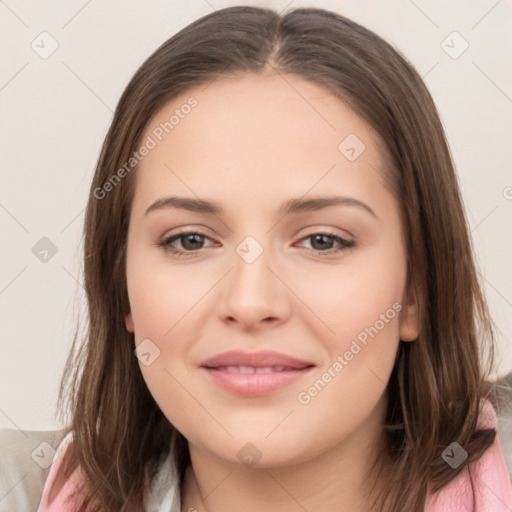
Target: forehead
256, 133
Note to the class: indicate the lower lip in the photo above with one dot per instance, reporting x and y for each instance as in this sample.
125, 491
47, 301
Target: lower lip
255, 384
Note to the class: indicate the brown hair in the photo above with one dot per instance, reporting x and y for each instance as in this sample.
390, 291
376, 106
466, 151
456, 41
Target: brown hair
436, 388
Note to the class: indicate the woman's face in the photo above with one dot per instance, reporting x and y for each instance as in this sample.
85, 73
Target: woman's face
298, 273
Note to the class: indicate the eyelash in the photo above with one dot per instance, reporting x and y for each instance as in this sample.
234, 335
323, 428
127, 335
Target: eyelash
165, 243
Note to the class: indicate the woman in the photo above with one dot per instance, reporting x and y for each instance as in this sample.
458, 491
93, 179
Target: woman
271, 370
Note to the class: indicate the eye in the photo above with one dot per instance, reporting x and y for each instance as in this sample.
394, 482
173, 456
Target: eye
322, 243
190, 241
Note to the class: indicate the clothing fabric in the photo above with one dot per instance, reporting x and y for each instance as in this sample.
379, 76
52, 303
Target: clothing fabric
164, 496
25, 458
491, 481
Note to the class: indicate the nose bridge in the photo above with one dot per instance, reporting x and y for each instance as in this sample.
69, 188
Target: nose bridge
252, 261
253, 291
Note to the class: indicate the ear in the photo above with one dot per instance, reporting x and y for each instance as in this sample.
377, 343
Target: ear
409, 316
129, 322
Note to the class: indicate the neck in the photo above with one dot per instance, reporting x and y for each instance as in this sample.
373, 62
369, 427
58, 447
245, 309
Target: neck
334, 481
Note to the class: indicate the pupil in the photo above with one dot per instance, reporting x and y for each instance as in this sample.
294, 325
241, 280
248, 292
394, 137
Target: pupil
191, 238
322, 237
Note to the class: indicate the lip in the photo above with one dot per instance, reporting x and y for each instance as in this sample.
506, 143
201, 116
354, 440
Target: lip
288, 370
260, 359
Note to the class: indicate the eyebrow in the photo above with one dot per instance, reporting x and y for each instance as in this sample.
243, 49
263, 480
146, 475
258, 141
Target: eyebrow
291, 206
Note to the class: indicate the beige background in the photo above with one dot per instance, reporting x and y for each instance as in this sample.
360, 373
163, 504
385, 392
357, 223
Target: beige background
55, 112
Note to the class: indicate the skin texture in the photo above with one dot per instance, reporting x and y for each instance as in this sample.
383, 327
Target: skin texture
251, 143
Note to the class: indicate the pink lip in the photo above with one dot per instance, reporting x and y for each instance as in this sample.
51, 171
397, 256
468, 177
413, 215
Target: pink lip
255, 384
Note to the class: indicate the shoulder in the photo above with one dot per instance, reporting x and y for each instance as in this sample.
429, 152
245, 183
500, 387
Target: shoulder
491, 480
25, 457
58, 490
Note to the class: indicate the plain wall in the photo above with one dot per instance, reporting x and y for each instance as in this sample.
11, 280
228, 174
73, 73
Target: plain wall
55, 112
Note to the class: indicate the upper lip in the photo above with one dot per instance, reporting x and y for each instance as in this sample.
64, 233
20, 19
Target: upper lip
261, 359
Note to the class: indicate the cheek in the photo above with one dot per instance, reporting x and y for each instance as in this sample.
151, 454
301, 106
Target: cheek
353, 381
169, 388
353, 296
160, 296
164, 303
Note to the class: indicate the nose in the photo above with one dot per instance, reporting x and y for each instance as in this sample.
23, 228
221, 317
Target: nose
254, 294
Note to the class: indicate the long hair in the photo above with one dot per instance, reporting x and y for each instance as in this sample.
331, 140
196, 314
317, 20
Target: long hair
121, 437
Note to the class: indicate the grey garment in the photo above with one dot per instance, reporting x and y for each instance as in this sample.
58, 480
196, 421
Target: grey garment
504, 392
25, 460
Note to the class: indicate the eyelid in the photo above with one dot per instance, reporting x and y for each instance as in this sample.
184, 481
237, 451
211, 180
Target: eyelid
328, 230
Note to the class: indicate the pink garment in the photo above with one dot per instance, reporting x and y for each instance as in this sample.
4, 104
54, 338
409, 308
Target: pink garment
60, 502
493, 488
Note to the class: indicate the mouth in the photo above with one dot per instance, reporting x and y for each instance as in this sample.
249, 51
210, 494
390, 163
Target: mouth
255, 374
